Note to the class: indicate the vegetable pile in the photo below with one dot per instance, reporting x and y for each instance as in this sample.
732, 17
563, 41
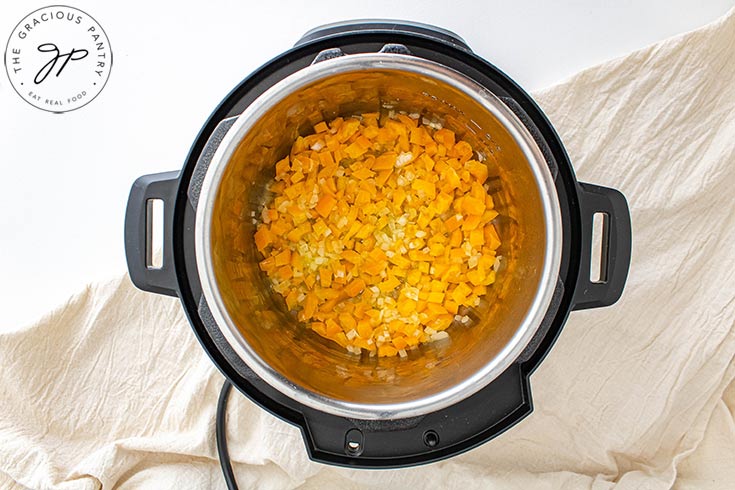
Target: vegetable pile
378, 231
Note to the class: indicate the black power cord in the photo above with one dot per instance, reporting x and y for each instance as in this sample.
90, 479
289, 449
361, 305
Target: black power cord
221, 433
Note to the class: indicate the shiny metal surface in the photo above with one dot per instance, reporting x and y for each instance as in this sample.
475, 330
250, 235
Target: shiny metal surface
298, 362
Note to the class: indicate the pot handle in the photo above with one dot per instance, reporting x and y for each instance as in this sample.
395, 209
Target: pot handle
616, 246
138, 239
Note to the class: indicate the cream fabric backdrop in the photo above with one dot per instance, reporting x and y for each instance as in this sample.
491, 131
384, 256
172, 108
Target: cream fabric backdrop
113, 391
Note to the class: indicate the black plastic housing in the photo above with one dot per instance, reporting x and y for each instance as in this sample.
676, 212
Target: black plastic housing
444, 433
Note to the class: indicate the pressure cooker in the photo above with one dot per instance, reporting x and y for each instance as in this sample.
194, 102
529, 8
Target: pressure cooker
379, 412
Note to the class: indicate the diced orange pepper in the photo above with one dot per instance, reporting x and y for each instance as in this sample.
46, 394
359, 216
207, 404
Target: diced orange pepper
419, 256
400, 261
387, 351
461, 149
406, 306
355, 287
283, 258
325, 278
378, 255
285, 272
435, 297
268, 264
491, 237
373, 267
451, 179
389, 284
460, 293
400, 343
442, 322
436, 249
348, 322
477, 238
386, 161
443, 201
296, 234
456, 239
445, 137
355, 150
363, 173
364, 329
282, 167
472, 205
453, 222
427, 162
457, 253
451, 306
425, 186
375, 208
292, 299
362, 198
407, 121
413, 277
319, 227
347, 129
325, 205
333, 328
489, 278
435, 309
471, 222
326, 159
309, 281
477, 191
383, 177
478, 170
476, 277
263, 238
399, 195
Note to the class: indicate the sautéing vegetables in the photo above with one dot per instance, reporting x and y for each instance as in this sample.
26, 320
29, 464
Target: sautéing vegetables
378, 231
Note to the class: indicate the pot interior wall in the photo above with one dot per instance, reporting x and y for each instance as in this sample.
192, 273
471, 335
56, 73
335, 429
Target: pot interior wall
318, 365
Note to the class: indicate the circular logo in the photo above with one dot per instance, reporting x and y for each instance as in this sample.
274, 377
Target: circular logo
58, 58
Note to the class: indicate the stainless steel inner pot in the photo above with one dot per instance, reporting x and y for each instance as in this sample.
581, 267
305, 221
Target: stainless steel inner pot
298, 362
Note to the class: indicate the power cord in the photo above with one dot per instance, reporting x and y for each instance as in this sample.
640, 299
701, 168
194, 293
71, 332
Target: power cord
221, 433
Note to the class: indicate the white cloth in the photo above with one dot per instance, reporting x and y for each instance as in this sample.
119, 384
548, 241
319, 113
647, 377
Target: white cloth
112, 390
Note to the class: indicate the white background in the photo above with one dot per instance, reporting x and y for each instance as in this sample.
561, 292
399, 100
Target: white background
64, 179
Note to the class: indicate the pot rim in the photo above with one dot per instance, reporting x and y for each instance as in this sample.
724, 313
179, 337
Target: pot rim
542, 176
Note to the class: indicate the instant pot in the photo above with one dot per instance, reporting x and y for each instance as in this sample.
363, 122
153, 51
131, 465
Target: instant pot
443, 398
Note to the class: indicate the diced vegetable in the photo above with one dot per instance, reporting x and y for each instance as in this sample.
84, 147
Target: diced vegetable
379, 231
